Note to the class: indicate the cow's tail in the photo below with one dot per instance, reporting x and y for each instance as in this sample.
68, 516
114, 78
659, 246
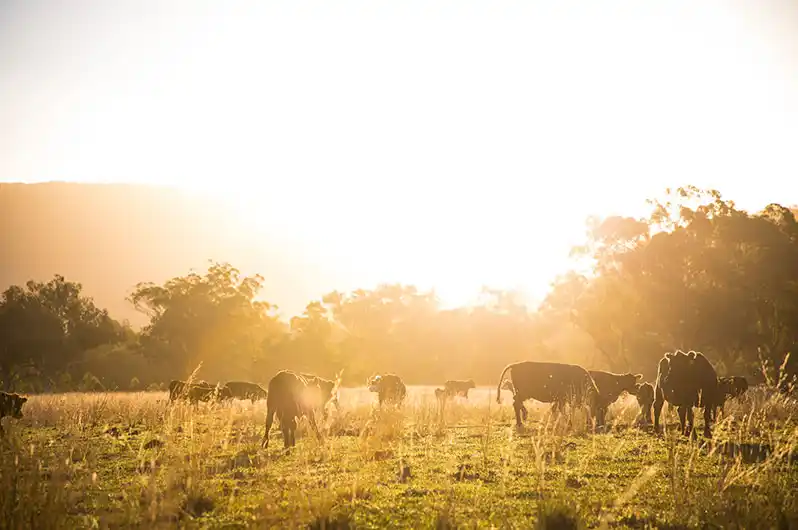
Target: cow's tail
501, 378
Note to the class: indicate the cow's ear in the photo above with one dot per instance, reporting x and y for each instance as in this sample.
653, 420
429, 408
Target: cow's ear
669, 355
24, 399
638, 376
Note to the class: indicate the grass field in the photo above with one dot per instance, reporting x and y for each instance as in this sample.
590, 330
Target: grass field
129, 460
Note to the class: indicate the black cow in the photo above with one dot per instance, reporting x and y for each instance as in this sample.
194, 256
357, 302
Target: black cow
10, 405
291, 396
686, 380
550, 383
730, 387
201, 391
245, 390
610, 387
458, 388
389, 388
644, 392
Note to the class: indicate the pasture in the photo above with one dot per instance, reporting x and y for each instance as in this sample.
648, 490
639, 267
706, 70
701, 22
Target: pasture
119, 460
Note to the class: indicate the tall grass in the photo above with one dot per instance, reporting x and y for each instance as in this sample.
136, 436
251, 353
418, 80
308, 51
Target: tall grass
133, 460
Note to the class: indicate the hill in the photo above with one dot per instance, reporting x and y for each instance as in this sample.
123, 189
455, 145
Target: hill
111, 236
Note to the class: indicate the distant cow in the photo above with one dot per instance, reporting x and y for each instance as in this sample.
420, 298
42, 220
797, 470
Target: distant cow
327, 392
458, 388
644, 392
10, 405
440, 394
194, 393
730, 387
291, 396
550, 383
686, 380
389, 388
610, 387
246, 390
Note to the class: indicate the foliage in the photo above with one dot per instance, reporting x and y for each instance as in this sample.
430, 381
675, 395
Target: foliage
696, 273
45, 327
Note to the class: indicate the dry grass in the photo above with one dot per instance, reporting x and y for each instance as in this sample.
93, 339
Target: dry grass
131, 460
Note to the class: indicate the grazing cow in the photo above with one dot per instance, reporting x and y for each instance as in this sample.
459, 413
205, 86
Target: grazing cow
550, 383
389, 388
291, 396
201, 391
328, 393
686, 380
245, 390
10, 405
644, 392
729, 387
610, 387
458, 388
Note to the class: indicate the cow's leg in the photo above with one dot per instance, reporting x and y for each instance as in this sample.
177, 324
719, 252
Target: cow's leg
659, 402
708, 421
269, 421
690, 420
524, 412
647, 414
288, 426
312, 419
682, 418
601, 412
518, 406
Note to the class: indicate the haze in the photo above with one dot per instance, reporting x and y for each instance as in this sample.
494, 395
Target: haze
444, 144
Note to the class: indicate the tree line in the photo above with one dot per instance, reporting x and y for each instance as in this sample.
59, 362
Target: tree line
696, 273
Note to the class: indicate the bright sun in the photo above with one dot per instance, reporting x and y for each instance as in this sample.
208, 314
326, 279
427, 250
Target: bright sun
444, 144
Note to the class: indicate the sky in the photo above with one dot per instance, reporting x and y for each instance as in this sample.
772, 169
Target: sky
443, 143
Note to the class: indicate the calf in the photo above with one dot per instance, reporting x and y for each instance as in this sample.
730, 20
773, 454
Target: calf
729, 387
291, 396
327, 393
458, 388
549, 382
610, 387
10, 405
389, 388
245, 390
644, 392
686, 380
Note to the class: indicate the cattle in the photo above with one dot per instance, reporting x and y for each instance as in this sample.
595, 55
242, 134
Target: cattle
610, 387
201, 391
328, 392
729, 387
10, 405
458, 388
686, 380
440, 394
291, 396
245, 390
389, 388
644, 392
550, 383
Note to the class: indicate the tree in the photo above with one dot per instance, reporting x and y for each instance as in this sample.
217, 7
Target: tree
46, 326
214, 319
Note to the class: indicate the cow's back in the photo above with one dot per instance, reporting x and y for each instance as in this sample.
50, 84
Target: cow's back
548, 382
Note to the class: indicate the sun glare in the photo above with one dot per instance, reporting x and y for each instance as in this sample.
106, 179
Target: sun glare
445, 145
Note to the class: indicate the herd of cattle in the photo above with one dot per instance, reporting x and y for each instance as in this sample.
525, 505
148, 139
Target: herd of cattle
684, 380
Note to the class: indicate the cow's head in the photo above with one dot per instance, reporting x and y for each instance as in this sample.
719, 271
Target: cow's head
471, 383
374, 383
628, 382
16, 402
